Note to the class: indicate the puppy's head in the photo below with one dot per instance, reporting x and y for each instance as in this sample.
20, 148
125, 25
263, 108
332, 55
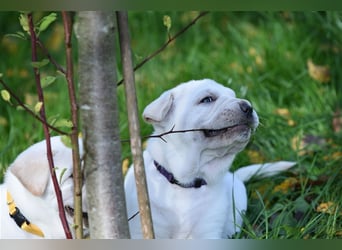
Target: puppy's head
222, 121
31, 168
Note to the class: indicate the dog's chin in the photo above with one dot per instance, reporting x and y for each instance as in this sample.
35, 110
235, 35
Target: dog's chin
231, 131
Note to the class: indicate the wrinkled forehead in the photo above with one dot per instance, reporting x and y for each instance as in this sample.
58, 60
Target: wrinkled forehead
205, 88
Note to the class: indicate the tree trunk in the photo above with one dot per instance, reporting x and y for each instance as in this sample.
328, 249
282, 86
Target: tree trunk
99, 116
134, 127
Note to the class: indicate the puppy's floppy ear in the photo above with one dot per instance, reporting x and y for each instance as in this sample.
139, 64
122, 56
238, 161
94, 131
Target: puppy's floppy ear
158, 109
32, 170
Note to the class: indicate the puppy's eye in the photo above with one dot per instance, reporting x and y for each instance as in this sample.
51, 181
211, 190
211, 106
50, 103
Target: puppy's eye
207, 99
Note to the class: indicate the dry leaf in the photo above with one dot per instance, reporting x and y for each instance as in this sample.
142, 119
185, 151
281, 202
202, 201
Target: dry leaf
337, 121
291, 122
24, 73
338, 233
284, 112
125, 166
144, 145
334, 156
261, 189
3, 121
252, 51
55, 40
255, 156
319, 72
327, 208
286, 185
30, 99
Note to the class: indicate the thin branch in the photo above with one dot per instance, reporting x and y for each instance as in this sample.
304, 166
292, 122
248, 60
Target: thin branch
134, 128
77, 172
21, 104
170, 40
171, 131
46, 129
51, 59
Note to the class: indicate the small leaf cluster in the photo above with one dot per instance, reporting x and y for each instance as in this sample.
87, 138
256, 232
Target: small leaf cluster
40, 26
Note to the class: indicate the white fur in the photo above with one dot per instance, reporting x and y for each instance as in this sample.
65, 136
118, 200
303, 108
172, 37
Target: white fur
263, 170
214, 210
28, 181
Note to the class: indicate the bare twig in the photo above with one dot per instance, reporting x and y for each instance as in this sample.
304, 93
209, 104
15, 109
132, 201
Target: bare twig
134, 128
171, 131
170, 40
46, 129
28, 110
77, 172
51, 59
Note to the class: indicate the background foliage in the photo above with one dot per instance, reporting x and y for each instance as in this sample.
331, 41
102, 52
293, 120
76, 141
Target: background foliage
288, 64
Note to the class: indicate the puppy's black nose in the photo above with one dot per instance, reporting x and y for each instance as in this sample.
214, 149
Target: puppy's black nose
246, 108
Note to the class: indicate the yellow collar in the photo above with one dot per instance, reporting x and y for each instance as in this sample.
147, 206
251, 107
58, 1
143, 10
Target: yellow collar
20, 219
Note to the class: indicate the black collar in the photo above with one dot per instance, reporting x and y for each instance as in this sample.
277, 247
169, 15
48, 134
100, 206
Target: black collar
196, 183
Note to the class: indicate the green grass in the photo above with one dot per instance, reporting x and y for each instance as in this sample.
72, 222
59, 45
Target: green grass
263, 57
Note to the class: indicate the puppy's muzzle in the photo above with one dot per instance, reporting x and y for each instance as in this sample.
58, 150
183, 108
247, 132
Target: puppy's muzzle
246, 122
246, 108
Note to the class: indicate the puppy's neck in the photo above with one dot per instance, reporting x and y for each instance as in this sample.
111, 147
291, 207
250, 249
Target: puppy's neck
187, 163
196, 183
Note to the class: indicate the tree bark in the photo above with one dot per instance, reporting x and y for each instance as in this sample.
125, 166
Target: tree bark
77, 171
134, 127
99, 116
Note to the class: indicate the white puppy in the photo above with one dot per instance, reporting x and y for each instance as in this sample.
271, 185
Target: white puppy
28, 187
191, 192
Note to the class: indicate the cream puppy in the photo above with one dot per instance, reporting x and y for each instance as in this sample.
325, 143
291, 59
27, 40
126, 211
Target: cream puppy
191, 191
28, 187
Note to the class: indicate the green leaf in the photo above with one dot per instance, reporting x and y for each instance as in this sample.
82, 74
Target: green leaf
24, 22
18, 34
5, 95
19, 108
66, 141
45, 22
62, 173
301, 204
38, 107
47, 80
60, 72
52, 119
167, 22
63, 123
40, 63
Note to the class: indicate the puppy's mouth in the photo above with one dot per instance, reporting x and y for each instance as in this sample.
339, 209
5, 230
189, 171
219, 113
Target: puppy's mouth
230, 129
